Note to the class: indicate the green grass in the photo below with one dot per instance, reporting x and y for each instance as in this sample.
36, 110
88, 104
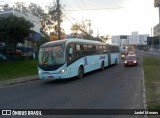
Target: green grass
151, 68
11, 70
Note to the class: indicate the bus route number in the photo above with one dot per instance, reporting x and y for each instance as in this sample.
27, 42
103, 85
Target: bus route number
102, 57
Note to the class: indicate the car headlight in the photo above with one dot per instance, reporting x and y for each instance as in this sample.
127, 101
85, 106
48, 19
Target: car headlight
62, 71
135, 62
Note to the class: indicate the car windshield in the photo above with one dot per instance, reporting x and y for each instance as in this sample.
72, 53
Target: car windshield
130, 58
131, 53
51, 55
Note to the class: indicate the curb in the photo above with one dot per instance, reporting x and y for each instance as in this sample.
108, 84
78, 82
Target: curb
18, 80
144, 91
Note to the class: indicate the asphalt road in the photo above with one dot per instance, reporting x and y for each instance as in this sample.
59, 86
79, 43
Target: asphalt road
116, 87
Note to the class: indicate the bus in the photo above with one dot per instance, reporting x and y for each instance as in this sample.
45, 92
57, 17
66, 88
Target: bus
68, 58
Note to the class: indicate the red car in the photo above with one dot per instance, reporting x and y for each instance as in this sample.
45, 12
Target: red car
130, 61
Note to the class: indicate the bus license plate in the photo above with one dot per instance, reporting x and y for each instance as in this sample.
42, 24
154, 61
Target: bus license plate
51, 77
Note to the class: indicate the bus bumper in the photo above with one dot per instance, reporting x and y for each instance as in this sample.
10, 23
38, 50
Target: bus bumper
52, 75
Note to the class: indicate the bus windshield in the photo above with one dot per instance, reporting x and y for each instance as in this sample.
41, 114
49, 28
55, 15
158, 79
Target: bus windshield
50, 56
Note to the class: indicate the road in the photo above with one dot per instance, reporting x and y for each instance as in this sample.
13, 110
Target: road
116, 87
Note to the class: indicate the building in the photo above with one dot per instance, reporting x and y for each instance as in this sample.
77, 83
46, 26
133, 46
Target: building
35, 20
28, 45
156, 29
119, 40
130, 40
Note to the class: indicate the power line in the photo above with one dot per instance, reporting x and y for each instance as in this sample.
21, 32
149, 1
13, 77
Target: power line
82, 30
69, 19
25, 2
84, 4
98, 9
78, 4
69, 8
69, 4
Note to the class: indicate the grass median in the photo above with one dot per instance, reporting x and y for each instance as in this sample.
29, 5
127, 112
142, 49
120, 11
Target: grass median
151, 68
16, 69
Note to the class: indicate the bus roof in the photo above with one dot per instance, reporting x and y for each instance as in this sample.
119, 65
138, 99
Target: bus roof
57, 42
112, 44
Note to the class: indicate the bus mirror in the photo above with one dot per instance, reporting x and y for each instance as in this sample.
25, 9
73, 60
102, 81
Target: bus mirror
70, 51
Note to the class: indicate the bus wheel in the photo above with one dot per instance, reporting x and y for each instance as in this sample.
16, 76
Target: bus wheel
80, 72
102, 66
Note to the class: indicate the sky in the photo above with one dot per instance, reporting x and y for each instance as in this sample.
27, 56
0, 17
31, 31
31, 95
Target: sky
107, 17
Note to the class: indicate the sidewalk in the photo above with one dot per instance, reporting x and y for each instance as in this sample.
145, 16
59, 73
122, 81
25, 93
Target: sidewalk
18, 80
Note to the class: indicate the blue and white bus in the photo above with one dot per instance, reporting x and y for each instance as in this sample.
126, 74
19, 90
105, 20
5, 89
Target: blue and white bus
68, 58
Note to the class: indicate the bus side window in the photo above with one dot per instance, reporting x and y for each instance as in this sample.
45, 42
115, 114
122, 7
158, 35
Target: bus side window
78, 51
105, 49
85, 52
94, 49
71, 53
98, 49
90, 49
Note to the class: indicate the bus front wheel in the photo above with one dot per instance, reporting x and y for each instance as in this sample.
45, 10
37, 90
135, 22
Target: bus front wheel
80, 72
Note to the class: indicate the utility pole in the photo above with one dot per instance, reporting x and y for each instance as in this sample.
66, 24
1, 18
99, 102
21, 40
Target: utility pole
97, 32
58, 15
159, 42
89, 24
152, 40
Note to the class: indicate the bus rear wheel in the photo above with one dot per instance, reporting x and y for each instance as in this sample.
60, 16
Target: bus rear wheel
80, 72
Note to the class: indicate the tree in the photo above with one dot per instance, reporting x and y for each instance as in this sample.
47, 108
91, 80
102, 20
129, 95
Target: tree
105, 38
81, 28
20, 6
75, 28
41, 41
52, 19
12, 31
49, 21
5, 7
35, 10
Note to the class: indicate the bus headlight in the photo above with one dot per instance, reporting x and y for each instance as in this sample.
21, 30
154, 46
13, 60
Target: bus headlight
62, 71
39, 72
